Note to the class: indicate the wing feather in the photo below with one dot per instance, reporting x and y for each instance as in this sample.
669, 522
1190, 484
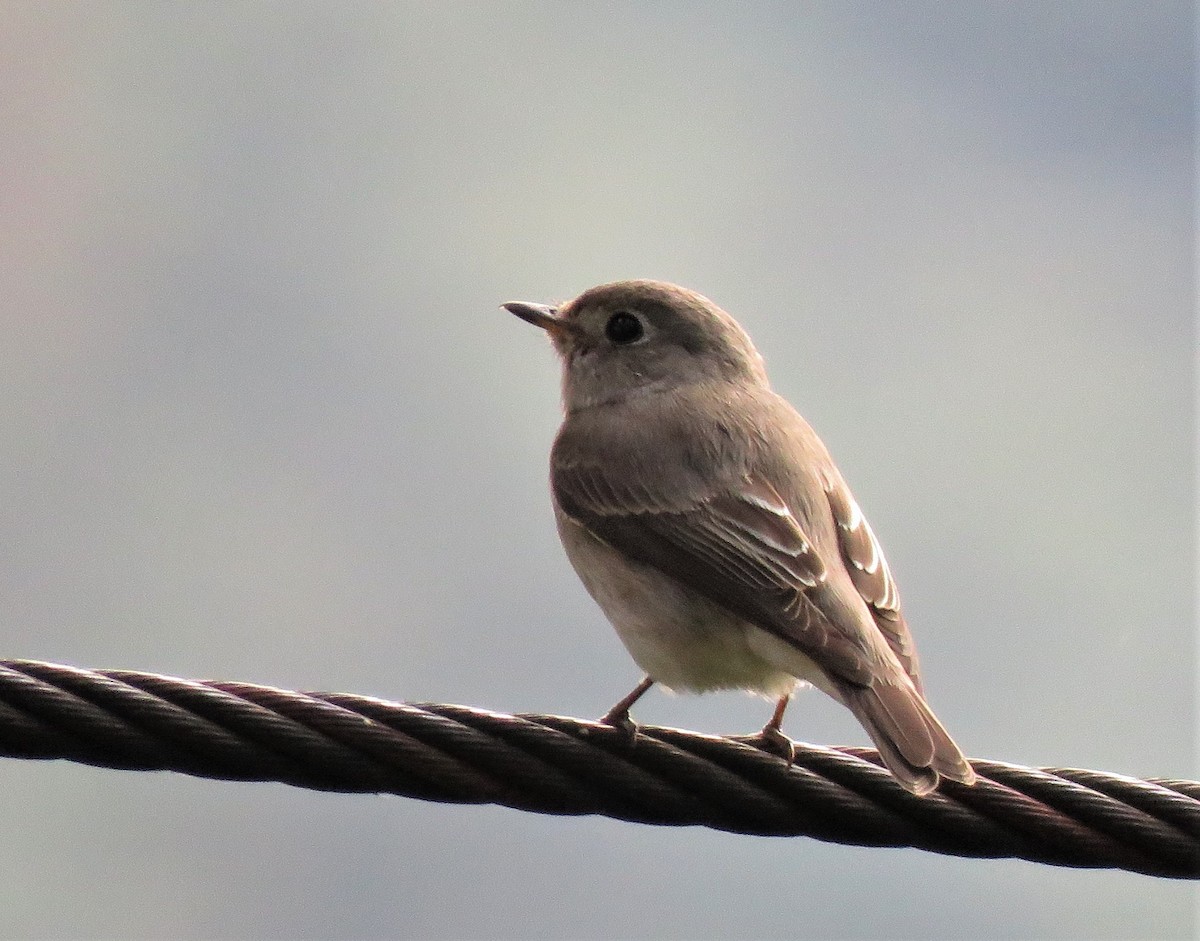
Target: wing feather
741, 546
871, 576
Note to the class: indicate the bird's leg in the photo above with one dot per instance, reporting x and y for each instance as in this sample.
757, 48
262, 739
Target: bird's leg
771, 739
618, 715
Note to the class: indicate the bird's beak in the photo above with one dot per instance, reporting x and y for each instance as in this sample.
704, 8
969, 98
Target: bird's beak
540, 315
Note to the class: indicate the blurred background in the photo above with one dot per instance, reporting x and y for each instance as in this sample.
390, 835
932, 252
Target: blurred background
261, 418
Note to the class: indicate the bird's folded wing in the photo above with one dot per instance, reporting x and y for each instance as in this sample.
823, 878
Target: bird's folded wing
740, 546
869, 571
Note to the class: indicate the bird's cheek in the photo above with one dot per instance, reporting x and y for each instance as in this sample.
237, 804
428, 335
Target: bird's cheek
575, 353
565, 345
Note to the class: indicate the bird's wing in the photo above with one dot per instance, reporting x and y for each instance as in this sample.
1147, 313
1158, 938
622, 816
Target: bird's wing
869, 571
737, 543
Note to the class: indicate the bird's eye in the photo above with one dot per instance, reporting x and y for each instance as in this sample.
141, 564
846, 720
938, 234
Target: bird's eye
623, 327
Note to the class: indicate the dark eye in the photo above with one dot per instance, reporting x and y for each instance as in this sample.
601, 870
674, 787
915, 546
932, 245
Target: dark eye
623, 327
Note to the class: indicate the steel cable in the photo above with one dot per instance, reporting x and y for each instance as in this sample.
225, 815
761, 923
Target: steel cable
557, 765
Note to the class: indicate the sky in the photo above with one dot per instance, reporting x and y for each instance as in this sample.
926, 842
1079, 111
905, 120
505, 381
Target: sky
262, 419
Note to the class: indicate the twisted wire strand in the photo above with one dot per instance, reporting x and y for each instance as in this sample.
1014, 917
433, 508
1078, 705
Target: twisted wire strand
557, 765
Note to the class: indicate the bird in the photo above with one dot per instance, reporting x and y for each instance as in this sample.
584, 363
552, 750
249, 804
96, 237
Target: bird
712, 527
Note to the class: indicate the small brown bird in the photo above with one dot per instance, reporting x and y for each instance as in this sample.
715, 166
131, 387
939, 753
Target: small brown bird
708, 521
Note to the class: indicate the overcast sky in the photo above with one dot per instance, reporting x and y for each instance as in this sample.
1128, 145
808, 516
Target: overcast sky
261, 418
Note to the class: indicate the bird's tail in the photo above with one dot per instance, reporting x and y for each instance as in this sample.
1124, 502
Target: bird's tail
914, 746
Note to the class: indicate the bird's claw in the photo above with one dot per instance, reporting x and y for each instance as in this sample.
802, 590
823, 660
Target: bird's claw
619, 720
773, 741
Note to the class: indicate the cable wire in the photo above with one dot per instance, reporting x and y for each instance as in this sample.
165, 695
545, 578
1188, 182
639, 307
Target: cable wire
557, 765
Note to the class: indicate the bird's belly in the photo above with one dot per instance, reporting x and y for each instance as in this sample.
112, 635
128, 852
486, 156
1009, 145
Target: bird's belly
680, 638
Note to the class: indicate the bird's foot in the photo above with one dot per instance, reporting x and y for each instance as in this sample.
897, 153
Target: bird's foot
618, 715
771, 740
619, 719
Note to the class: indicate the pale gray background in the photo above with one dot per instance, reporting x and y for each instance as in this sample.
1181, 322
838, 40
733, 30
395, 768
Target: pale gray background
262, 419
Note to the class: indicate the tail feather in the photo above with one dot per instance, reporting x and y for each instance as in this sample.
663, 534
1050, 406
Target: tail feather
914, 746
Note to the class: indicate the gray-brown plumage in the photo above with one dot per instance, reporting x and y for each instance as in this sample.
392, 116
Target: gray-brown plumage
709, 522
